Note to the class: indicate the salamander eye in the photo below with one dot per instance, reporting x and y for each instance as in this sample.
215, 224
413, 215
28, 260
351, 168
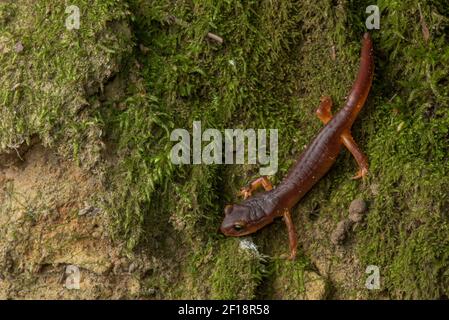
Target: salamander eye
238, 227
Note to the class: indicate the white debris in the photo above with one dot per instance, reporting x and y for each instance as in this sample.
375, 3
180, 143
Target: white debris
247, 244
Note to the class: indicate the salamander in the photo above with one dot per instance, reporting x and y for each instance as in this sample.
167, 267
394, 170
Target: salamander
258, 210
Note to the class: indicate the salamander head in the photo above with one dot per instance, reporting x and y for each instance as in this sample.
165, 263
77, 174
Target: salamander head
239, 221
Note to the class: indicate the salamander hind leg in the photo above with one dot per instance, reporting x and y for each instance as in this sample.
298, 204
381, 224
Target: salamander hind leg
325, 115
359, 156
324, 112
263, 181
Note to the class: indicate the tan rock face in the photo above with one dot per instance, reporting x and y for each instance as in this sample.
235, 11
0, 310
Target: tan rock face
42, 233
315, 286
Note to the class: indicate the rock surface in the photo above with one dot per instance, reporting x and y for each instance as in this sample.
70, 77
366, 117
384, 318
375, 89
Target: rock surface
43, 237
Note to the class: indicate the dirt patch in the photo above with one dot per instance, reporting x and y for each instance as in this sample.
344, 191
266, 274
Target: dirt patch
336, 262
51, 221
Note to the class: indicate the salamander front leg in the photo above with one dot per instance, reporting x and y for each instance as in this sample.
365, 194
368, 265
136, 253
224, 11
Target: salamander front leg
293, 240
263, 181
359, 156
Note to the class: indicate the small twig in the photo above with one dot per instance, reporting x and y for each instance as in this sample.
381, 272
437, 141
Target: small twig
214, 37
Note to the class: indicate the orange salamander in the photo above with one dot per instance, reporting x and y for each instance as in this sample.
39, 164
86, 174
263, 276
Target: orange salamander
259, 210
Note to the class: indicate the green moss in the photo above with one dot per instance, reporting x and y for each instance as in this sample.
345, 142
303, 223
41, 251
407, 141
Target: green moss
285, 280
406, 234
49, 72
236, 272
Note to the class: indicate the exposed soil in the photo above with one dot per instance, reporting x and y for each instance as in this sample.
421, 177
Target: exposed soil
51, 218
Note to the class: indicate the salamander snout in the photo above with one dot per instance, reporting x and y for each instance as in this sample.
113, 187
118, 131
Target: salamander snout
235, 221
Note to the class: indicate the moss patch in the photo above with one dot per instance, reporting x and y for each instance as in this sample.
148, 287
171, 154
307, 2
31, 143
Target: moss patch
49, 72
